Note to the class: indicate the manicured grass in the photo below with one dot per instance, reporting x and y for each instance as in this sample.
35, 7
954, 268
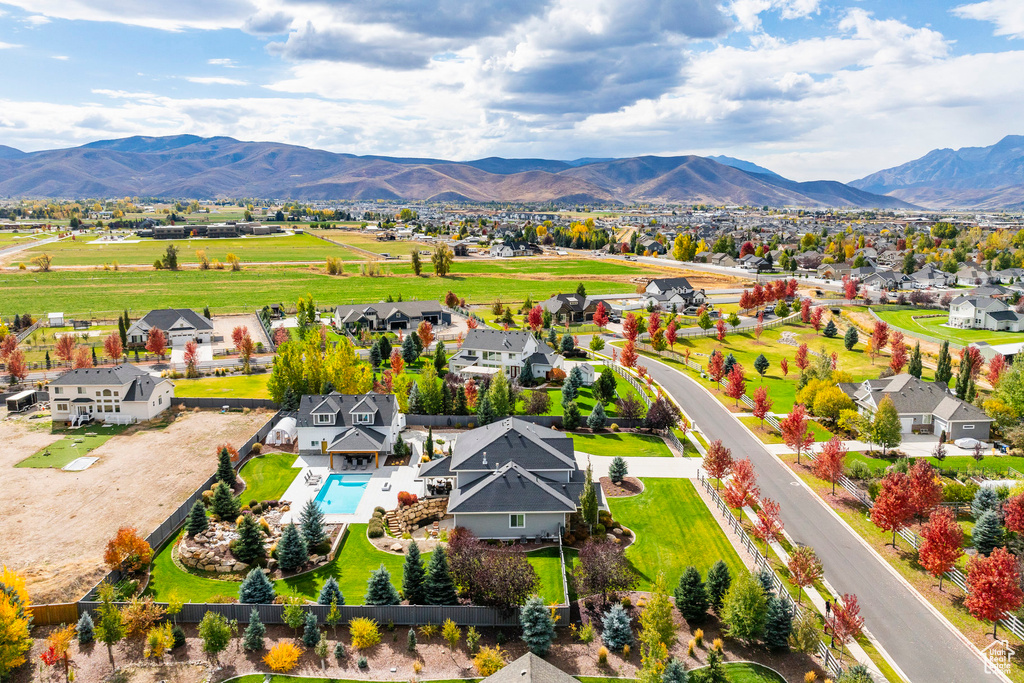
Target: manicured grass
735, 672
674, 530
145, 252
624, 444
585, 399
991, 463
278, 678
241, 386
81, 293
268, 476
74, 444
769, 435
910, 320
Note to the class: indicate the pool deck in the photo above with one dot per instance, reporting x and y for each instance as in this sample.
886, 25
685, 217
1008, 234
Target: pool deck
401, 479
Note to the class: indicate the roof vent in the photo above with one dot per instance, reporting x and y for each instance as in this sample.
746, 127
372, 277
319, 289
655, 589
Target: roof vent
485, 458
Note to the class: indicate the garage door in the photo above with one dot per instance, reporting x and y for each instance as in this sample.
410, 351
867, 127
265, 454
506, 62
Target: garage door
906, 424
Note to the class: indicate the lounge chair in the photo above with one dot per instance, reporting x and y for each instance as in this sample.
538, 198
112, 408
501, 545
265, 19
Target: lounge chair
365, 464
344, 464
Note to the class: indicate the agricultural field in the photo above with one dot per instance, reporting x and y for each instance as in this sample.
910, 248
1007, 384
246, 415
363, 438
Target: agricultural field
370, 243
10, 239
911, 322
271, 249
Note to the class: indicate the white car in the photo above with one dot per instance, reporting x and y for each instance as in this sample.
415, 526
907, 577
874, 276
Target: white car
968, 442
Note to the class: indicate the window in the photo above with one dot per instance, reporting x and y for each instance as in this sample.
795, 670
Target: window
517, 521
160, 401
62, 407
115, 393
968, 427
323, 419
81, 390
58, 390
314, 443
106, 392
364, 418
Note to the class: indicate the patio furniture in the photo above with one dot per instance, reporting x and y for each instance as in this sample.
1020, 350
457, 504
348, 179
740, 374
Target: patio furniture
364, 463
344, 464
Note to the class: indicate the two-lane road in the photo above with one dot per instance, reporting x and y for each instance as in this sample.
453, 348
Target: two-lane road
923, 647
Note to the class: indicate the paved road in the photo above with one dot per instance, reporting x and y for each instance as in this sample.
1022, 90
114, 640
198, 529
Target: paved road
924, 648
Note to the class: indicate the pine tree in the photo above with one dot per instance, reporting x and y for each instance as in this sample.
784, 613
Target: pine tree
851, 338
597, 418
409, 352
428, 446
440, 359
987, 533
618, 469
691, 596
197, 521
526, 374
413, 575
249, 546
484, 410
311, 520
375, 356
719, 580
778, 624
84, 630
538, 626
385, 348
225, 472
915, 367
767, 580
48, 363
572, 418
963, 378
830, 330
121, 331
311, 631
292, 552
206, 312
972, 392
330, 594
379, 589
616, 630
446, 399
256, 588
588, 498
438, 587
461, 408
225, 505
552, 337
944, 369
674, 672
410, 640
985, 500
416, 401
252, 639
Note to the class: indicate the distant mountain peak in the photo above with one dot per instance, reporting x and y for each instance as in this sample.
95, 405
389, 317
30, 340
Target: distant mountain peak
743, 165
10, 152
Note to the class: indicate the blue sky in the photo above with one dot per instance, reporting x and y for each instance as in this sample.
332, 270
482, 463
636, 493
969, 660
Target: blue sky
808, 88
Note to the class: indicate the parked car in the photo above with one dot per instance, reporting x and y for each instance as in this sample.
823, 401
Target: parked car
967, 442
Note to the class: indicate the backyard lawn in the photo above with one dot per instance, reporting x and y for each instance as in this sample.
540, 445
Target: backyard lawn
735, 672
992, 463
240, 386
910, 321
674, 530
585, 399
268, 476
75, 444
624, 444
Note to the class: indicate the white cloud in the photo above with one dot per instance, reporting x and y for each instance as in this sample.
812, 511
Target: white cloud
36, 20
748, 12
8, 46
223, 61
168, 16
62, 58
1007, 15
214, 80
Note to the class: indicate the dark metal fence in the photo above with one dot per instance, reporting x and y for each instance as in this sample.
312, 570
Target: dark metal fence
229, 401
463, 421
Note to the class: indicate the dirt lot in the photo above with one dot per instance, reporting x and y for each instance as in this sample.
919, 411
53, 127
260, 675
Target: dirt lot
55, 524
224, 324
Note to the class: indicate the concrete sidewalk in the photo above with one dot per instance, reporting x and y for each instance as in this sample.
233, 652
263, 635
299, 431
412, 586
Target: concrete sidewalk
912, 449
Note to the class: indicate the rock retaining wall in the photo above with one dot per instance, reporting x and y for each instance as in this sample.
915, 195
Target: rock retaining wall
426, 509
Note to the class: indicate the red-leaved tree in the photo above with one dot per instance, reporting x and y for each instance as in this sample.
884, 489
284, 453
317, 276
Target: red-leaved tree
768, 526
996, 367
898, 357
629, 355
17, 368
237, 335
942, 543
535, 318
156, 342
850, 287
762, 404
746, 300
81, 357
993, 586
112, 347
630, 327
653, 323
716, 367
1013, 513
925, 489
829, 465
717, 461
736, 383
796, 430
720, 330
741, 489
784, 366
804, 568
846, 623
671, 334
65, 347
816, 315
801, 357
880, 336
805, 310
191, 358
893, 508
600, 315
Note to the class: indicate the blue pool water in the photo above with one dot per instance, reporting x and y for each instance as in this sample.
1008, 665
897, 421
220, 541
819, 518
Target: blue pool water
341, 493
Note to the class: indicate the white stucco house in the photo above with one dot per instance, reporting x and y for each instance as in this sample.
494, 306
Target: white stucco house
984, 313
486, 351
122, 394
349, 427
179, 325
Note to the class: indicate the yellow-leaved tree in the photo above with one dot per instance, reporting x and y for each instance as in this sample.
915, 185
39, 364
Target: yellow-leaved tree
15, 622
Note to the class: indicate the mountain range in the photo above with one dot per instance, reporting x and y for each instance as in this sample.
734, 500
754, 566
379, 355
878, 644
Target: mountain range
187, 166
987, 178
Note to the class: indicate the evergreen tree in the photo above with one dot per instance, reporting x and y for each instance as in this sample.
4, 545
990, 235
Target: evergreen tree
972, 392
830, 330
48, 364
197, 522
379, 589
730, 361
944, 369
460, 401
416, 401
691, 596
588, 498
413, 575
84, 629
719, 580
417, 343
778, 624
385, 348
428, 446
538, 626
311, 521
256, 588
767, 581
290, 400
985, 500
438, 587
440, 359
761, 364
122, 332
526, 374
568, 344
597, 418
915, 366
569, 391
249, 546
484, 410
851, 338
605, 385
446, 399
375, 356
674, 672
618, 469
963, 378
94, 359
292, 552
552, 336
206, 312
616, 630
225, 505
410, 641
572, 418
311, 631
409, 352
330, 593
252, 639
225, 472
498, 393
987, 533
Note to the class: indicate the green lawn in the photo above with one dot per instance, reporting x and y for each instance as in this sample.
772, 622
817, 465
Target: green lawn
81, 293
74, 444
769, 435
268, 476
370, 243
241, 386
622, 444
992, 463
674, 530
585, 400
355, 560
910, 321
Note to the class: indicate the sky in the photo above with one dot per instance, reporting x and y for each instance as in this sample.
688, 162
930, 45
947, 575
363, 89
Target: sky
808, 88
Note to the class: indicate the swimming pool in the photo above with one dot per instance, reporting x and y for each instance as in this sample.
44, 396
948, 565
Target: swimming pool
341, 493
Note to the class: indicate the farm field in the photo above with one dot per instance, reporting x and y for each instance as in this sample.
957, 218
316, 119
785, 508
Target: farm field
910, 321
297, 248
239, 386
10, 239
94, 292
371, 243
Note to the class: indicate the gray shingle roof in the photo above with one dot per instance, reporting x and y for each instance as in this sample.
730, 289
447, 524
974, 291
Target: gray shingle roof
164, 318
141, 382
341, 406
912, 396
530, 669
357, 439
409, 309
485, 339
512, 488
532, 446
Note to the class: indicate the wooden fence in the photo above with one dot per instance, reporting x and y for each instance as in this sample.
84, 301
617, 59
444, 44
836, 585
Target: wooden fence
52, 615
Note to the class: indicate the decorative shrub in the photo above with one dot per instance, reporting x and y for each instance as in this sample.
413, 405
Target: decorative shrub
489, 660
375, 529
364, 633
257, 448
363, 663
602, 656
379, 509
283, 657
405, 499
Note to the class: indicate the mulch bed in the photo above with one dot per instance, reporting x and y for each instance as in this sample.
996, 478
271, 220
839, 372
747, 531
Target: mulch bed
630, 486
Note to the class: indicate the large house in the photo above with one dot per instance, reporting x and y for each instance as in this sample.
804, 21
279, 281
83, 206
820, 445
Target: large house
355, 427
572, 308
512, 479
923, 407
673, 291
122, 394
486, 351
510, 248
984, 313
391, 315
179, 325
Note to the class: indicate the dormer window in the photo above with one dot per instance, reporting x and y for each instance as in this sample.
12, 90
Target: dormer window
323, 419
362, 418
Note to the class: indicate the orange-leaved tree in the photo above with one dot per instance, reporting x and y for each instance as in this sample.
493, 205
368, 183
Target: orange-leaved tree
127, 551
